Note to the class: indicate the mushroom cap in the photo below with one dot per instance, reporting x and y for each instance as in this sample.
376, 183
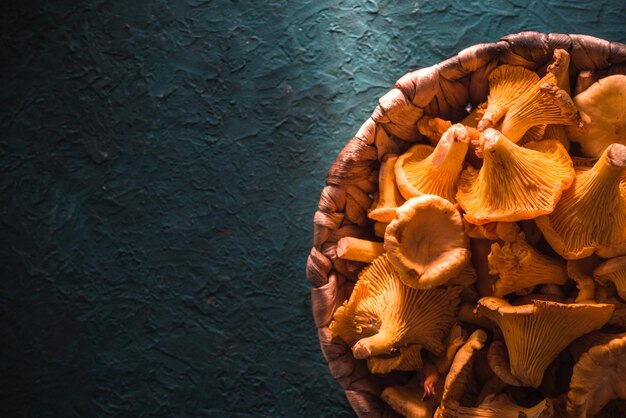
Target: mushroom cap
424, 170
598, 377
514, 183
613, 270
591, 215
389, 197
604, 104
536, 333
506, 84
383, 315
426, 243
520, 266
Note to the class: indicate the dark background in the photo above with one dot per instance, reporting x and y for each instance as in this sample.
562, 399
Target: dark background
160, 164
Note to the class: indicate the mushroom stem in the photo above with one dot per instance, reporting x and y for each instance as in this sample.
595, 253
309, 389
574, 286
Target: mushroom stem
377, 344
355, 249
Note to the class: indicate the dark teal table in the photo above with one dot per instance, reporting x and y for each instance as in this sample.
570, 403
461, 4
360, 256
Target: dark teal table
160, 163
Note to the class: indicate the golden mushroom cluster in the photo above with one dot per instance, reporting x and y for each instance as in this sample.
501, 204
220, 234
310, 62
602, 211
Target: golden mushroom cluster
497, 284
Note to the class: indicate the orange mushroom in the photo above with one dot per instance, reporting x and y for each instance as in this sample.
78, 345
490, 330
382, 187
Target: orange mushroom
591, 215
536, 333
389, 197
514, 183
426, 243
384, 316
422, 170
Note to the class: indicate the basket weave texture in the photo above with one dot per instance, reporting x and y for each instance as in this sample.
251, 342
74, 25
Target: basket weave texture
443, 90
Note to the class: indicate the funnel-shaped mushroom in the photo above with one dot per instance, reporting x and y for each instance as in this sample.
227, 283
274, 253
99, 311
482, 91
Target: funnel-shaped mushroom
506, 84
426, 243
613, 270
598, 377
422, 170
520, 266
389, 197
408, 358
535, 334
383, 314
591, 215
461, 372
581, 271
603, 106
514, 182
501, 406
409, 400
540, 105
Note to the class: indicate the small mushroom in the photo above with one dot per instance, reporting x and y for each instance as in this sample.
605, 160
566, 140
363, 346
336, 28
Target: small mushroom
506, 84
422, 170
536, 333
598, 377
520, 266
603, 106
383, 315
426, 243
581, 271
543, 104
460, 376
613, 270
409, 400
514, 183
389, 197
591, 215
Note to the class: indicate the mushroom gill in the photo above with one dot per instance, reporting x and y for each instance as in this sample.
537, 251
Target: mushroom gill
613, 270
506, 84
603, 106
536, 333
598, 377
422, 170
383, 315
426, 243
520, 266
389, 197
514, 183
407, 358
591, 215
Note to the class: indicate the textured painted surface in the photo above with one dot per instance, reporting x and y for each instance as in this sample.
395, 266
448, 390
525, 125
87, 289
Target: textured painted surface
160, 162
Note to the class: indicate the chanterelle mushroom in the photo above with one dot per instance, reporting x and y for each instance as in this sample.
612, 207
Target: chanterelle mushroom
389, 197
613, 270
506, 84
535, 334
591, 215
409, 400
426, 243
460, 374
599, 376
520, 266
383, 314
422, 170
603, 106
514, 182
540, 105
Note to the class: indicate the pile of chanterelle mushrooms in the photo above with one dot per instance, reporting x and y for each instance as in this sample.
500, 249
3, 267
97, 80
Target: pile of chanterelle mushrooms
501, 278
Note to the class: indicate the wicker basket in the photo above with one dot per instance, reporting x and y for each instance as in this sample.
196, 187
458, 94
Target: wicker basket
442, 90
